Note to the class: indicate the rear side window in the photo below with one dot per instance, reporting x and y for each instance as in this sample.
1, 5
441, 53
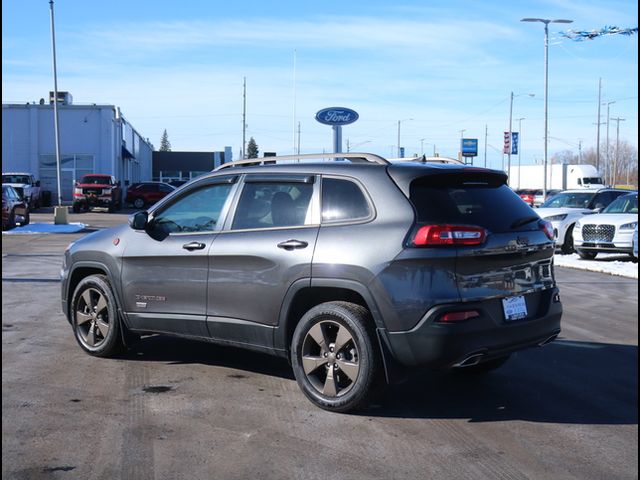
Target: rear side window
343, 200
273, 204
462, 201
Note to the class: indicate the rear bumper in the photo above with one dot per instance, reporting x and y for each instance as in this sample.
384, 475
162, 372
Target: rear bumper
438, 345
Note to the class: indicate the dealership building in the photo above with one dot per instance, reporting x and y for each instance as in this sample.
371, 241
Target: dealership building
93, 139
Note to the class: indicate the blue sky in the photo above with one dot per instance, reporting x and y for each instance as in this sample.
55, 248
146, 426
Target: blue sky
440, 67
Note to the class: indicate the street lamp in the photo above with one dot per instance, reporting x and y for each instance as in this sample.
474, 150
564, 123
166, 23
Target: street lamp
399, 122
60, 214
510, 136
546, 88
519, 120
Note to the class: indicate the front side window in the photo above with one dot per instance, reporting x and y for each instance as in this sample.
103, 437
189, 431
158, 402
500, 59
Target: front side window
273, 204
198, 211
343, 200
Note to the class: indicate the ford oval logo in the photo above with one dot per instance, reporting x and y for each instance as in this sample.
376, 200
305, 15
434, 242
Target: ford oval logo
336, 116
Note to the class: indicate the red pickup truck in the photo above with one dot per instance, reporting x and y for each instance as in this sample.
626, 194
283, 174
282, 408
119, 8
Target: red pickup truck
97, 190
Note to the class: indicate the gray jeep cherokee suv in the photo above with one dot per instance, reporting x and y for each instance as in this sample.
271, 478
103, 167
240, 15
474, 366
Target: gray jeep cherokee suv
348, 268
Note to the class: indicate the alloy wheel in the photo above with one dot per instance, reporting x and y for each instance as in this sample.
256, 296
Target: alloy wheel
92, 318
330, 358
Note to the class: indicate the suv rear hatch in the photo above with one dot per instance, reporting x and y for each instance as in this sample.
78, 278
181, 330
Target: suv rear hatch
500, 247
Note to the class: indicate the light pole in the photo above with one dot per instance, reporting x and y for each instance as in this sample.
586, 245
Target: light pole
399, 122
607, 147
422, 146
519, 120
55, 105
511, 136
546, 88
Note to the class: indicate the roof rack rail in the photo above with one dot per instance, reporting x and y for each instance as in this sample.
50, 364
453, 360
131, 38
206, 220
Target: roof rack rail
425, 159
353, 157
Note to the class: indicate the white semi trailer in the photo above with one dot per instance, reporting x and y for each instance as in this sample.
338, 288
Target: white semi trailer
559, 177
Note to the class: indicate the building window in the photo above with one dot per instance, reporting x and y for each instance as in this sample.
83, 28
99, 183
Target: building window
72, 168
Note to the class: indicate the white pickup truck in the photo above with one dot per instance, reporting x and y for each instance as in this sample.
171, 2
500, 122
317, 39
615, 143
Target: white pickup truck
26, 185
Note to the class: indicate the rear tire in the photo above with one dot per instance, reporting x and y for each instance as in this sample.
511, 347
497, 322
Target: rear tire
138, 203
76, 208
94, 317
335, 356
587, 255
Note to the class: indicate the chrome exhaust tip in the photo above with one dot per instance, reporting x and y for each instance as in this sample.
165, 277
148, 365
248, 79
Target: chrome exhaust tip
469, 361
548, 340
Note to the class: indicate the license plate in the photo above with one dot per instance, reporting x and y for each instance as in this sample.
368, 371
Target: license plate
514, 308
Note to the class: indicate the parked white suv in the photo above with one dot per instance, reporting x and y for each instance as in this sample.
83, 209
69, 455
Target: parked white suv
610, 231
566, 208
26, 185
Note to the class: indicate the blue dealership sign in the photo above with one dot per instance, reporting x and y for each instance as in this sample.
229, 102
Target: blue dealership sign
469, 147
514, 143
337, 116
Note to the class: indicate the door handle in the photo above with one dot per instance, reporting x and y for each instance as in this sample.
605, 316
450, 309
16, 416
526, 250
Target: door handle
193, 246
292, 244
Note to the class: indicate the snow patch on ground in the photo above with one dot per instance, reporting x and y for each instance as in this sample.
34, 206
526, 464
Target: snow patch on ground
33, 228
611, 263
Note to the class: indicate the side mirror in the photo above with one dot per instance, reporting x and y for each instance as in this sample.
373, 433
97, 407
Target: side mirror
139, 220
37, 183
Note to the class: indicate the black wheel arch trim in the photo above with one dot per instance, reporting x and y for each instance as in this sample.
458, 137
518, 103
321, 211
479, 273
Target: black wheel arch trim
392, 371
112, 282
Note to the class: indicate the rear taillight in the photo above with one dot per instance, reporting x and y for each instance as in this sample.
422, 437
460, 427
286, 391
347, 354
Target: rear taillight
434, 235
77, 192
547, 228
453, 317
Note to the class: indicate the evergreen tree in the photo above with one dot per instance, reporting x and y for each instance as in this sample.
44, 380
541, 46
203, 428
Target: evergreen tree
252, 149
165, 145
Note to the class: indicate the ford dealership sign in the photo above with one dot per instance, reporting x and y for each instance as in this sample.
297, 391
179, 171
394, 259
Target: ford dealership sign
336, 116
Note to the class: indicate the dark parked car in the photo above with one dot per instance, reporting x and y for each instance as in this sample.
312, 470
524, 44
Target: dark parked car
349, 269
147, 193
97, 190
14, 209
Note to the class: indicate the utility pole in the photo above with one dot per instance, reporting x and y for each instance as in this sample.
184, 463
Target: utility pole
244, 117
519, 148
298, 138
486, 134
295, 57
598, 123
580, 151
607, 146
615, 161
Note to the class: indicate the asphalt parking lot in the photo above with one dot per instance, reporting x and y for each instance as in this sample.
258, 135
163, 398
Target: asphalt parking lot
174, 409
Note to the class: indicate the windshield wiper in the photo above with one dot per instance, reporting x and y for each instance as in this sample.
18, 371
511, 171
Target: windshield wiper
523, 221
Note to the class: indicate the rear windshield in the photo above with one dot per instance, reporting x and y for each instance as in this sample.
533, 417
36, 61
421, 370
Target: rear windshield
460, 201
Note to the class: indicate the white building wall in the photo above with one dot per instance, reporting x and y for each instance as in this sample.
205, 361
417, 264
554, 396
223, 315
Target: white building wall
91, 141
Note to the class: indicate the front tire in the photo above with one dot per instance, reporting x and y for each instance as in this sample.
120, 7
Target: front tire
335, 356
94, 317
567, 246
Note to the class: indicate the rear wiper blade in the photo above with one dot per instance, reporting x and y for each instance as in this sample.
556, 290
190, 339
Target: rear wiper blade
523, 221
